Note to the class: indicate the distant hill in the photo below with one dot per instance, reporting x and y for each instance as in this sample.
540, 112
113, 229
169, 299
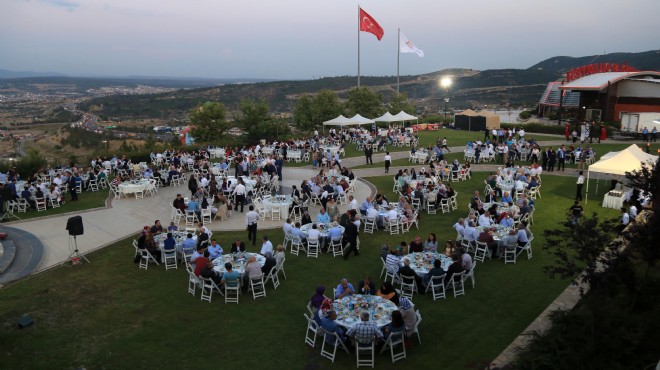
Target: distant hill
82, 84
644, 61
470, 88
5, 73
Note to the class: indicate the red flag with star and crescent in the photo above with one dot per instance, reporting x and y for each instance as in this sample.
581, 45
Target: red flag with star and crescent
368, 24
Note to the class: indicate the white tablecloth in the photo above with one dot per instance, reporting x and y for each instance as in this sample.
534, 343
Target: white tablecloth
349, 309
238, 265
613, 201
423, 262
283, 204
217, 153
130, 188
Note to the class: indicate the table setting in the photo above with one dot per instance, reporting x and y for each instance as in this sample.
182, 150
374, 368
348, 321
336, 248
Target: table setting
350, 307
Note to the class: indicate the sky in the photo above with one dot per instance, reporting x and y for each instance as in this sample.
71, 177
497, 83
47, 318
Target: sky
296, 39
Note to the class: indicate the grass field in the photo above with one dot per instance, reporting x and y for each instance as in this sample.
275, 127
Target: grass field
86, 200
109, 314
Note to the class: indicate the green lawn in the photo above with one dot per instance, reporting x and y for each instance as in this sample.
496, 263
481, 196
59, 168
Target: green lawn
109, 314
86, 200
426, 138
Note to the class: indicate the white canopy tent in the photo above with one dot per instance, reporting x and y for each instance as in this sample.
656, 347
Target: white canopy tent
387, 117
359, 120
618, 163
338, 121
403, 116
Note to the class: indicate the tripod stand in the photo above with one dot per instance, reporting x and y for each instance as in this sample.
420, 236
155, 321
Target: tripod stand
75, 257
8, 214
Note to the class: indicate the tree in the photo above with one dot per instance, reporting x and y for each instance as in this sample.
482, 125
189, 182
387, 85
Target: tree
641, 235
363, 101
255, 119
400, 102
208, 122
311, 111
580, 249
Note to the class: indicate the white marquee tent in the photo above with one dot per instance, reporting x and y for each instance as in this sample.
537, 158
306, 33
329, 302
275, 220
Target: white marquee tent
403, 116
618, 163
338, 121
387, 117
359, 120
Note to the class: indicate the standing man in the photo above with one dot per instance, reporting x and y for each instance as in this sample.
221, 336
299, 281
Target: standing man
645, 134
576, 211
625, 218
388, 162
561, 158
444, 144
350, 237
654, 135
580, 184
368, 152
239, 192
251, 219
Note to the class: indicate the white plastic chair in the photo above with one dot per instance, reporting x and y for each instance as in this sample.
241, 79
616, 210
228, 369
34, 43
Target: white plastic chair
257, 286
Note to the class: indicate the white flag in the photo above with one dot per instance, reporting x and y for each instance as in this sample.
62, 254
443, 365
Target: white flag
407, 46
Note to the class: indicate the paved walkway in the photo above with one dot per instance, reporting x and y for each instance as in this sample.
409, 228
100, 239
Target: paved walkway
126, 216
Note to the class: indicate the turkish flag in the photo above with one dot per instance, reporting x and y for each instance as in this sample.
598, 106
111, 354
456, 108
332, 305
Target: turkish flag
368, 24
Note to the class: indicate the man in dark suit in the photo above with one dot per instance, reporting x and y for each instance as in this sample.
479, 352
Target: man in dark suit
368, 153
237, 246
350, 237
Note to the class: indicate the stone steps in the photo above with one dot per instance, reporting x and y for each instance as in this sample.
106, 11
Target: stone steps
7, 255
27, 254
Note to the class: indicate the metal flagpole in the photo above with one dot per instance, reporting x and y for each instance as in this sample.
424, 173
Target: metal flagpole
398, 55
358, 35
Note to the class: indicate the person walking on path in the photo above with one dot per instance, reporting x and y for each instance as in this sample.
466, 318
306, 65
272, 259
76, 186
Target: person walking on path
251, 219
580, 184
388, 162
368, 153
444, 144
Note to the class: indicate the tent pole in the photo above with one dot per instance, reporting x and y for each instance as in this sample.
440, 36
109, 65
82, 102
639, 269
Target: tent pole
398, 56
586, 194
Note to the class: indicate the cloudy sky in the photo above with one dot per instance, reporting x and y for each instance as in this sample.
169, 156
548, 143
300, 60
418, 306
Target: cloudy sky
296, 39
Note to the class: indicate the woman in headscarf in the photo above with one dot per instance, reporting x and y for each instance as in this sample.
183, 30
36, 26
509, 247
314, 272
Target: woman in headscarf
387, 291
326, 306
318, 298
407, 309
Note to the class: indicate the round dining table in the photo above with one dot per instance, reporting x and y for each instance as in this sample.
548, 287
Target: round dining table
422, 262
350, 307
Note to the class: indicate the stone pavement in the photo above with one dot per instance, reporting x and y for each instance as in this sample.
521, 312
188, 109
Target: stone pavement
126, 216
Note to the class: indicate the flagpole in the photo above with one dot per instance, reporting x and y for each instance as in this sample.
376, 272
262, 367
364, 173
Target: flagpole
398, 54
358, 35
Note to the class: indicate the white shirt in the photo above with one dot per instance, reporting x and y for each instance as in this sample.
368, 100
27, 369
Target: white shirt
460, 229
313, 234
266, 247
633, 211
204, 182
580, 180
484, 220
353, 205
625, 219
372, 213
239, 189
251, 218
391, 215
388, 157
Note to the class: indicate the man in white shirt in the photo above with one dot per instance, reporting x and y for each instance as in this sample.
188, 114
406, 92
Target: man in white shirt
251, 219
632, 212
288, 226
625, 218
352, 203
580, 184
484, 220
388, 162
204, 182
460, 227
313, 234
266, 246
391, 215
240, 192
